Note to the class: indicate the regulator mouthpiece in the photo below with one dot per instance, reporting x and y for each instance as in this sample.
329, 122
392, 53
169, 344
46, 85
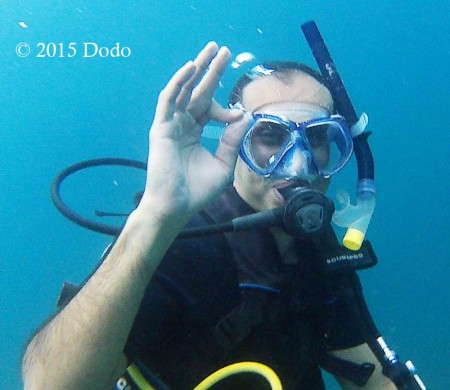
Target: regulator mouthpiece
307, 212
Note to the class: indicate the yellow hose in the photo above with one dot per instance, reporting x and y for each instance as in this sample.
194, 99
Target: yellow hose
138, 378
238, 368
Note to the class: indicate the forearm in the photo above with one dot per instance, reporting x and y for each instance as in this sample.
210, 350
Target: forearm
82, 347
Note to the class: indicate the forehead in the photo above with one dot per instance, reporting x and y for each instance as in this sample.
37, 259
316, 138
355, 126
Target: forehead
295, 88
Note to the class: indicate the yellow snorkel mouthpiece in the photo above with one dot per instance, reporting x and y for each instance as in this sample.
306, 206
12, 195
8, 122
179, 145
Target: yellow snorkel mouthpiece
353, 239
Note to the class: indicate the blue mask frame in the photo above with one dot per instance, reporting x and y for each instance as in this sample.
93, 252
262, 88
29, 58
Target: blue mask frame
297, 137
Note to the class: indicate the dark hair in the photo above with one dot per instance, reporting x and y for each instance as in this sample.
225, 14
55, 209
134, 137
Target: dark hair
280, 68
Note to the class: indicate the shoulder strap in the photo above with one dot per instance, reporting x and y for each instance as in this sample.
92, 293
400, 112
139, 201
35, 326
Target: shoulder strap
231, 330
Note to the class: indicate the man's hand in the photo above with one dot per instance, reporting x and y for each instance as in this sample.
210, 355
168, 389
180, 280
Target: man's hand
182, 175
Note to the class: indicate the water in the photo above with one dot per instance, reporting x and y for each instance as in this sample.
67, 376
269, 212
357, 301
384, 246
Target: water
56, 111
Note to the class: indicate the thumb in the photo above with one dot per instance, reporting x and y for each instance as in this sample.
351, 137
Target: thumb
230, 141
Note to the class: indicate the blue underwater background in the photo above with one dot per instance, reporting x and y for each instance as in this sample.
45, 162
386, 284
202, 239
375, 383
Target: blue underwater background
392, 55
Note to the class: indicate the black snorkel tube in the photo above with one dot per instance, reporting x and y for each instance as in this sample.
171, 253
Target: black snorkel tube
355, 218
341, 99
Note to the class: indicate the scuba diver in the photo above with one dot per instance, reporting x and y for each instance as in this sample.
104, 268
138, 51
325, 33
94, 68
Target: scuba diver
175, 308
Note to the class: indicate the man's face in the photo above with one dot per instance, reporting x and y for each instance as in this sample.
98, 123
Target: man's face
270, 95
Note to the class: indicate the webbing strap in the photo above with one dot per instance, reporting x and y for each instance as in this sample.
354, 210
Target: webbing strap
236, 326
357, 373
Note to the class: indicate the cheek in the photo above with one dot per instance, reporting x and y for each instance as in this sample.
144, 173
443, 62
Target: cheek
253, 188
255, 183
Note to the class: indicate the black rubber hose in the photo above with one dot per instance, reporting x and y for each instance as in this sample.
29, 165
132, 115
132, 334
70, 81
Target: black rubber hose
77, 218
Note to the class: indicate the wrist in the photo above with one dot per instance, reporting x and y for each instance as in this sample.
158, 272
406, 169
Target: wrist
145, 238
152, 220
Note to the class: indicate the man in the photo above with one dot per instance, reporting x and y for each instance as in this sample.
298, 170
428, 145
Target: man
171, 315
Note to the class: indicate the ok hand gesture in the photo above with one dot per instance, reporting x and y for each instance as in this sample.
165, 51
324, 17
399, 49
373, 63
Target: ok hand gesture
182, 175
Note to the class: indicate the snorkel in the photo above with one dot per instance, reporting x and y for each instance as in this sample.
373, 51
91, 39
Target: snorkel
355, 218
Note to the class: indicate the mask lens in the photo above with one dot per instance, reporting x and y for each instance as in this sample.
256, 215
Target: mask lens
266, 143
330, 145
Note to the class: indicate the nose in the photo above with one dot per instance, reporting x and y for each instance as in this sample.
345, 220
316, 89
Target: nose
295, 163
298, 158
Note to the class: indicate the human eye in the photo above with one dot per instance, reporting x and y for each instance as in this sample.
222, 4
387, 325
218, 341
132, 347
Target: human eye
270, 134
318, 136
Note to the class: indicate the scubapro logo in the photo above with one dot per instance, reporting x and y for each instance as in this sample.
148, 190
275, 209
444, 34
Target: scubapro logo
339, 259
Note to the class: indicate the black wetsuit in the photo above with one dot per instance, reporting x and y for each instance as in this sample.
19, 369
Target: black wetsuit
291, 314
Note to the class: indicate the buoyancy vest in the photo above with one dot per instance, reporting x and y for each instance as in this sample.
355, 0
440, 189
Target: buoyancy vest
236, 301
294, 306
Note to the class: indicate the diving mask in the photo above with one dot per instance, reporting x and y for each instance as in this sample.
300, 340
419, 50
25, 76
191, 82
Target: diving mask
277, 147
